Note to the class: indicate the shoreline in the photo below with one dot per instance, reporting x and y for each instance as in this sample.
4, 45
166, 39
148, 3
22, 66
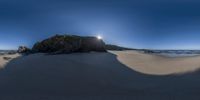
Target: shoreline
6, 58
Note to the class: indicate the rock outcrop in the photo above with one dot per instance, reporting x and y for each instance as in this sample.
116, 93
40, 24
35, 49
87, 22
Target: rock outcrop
117, 48
23, 49
69, 44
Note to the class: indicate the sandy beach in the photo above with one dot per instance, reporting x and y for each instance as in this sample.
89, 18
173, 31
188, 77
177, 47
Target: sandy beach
158, 65
116, 75
4, 59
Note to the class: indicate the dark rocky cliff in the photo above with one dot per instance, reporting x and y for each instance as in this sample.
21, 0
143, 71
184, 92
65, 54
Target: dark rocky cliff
68, 44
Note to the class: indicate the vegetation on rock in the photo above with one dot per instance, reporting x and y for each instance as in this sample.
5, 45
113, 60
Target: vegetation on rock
68, 44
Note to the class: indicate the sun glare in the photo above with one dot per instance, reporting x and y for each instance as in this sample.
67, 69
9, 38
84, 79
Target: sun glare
99, 37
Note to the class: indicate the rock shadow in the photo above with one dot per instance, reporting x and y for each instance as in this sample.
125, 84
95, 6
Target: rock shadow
89, 76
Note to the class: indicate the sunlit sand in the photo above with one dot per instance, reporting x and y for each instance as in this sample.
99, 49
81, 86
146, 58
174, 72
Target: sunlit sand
3, 61
158, 65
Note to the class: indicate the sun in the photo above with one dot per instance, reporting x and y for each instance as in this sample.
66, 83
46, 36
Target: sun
99, 37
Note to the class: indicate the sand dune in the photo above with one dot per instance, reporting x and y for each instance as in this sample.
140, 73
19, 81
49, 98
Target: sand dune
96, 76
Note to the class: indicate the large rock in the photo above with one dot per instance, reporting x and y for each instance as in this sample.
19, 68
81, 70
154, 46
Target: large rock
69, 44
23, 49
117, 48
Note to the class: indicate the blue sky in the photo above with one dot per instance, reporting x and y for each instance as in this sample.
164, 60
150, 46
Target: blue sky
153, 24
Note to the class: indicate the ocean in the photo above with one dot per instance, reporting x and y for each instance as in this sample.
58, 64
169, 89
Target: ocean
175, 53
7, 52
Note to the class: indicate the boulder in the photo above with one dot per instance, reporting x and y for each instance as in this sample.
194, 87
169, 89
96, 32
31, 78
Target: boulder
69, 44
23, 49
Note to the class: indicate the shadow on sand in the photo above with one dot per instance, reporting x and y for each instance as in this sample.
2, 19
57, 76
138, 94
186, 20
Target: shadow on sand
89, 76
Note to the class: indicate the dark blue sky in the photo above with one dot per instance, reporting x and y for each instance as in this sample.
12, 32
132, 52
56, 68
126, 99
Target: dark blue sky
154, 24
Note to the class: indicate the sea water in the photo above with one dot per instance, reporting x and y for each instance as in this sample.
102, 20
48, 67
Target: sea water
177, 53
2, 52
